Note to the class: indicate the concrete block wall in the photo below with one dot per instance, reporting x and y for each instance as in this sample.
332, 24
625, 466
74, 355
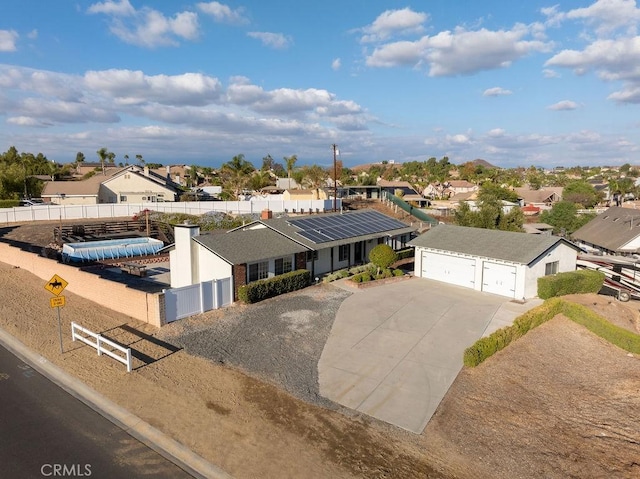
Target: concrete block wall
139, 305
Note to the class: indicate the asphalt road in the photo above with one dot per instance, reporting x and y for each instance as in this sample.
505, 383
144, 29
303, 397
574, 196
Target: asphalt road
46, 432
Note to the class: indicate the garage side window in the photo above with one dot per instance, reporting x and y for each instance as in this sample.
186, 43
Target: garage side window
258, 271
551, 268
283, 265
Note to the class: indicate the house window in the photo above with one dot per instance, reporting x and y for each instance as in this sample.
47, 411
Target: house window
258, 271
312, 256
283, 265
343, 252
123, 198
551, 268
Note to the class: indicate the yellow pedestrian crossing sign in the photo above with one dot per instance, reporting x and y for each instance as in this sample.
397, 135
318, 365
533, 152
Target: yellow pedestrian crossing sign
56, 285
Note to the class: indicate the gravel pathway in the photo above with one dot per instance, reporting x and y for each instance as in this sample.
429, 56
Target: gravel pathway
279, 340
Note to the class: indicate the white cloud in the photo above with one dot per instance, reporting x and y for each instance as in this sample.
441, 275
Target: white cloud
461, 52
223, 13
496, 91
605, 15
33, 34
549, 73
394, 22
147, 27
134, 87
121, 8
25, 121
8, 40
336, 64
564, 105
273, 40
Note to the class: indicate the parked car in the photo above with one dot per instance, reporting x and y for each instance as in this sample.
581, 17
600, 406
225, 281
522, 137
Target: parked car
31, 202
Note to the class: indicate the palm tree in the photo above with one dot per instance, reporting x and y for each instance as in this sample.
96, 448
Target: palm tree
314, 177
290, 161
126, 159
103, 154
79, 160
236, 173
140, 160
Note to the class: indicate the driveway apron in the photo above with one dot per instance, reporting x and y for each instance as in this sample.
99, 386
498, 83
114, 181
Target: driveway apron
394, 350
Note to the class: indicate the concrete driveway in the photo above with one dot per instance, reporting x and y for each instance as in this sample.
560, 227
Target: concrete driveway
394, 350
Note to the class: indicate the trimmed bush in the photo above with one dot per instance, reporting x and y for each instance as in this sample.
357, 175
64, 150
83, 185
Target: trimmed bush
573, 282
398, 272
405, 253
383, 256
9, 203
488, 346
268, 288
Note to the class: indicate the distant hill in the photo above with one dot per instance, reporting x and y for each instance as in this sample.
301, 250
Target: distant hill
483, 163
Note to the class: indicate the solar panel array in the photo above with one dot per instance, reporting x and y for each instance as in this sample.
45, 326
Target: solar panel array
322, 229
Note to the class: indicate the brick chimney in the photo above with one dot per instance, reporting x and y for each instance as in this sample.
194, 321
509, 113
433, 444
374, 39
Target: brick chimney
266, 214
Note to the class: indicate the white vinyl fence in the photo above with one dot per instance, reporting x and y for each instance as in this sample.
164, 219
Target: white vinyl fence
118, 210
97, 341
197, 298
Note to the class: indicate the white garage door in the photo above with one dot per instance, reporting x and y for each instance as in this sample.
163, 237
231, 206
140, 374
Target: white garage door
449, 269
499, 279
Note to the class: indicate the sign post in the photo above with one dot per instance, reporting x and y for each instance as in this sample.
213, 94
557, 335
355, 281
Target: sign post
56, 286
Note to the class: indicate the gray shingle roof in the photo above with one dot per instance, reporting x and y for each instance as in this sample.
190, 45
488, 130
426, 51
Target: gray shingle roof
611, 229
248, 246
520, 248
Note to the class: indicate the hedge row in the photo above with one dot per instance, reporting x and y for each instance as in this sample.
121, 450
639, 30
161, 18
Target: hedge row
500, 339
268, 288
367, 276
9, 203
572, 282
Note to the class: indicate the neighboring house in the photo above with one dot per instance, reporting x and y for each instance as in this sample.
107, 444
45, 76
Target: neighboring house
272, 246
392, 187
538, 228
507, 206
433, 191
131, 184
286, 184
615, 231
530, 210
493, 261
299, 195
542, 198
455, 187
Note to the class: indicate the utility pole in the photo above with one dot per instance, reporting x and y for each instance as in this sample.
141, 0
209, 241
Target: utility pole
335, 178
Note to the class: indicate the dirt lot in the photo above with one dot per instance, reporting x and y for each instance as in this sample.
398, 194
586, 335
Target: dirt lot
558, 403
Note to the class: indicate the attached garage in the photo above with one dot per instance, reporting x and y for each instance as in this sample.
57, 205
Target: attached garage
499, 278
451, 269
497, 262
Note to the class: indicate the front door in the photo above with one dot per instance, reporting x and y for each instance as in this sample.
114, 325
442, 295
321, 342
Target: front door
358, 252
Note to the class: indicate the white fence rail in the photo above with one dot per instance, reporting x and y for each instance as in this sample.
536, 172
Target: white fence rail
115, 210
197, 298
96, 341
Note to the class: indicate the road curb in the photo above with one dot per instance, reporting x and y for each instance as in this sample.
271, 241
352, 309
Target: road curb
164, 445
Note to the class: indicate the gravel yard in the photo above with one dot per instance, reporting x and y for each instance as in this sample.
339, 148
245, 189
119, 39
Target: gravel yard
279, 340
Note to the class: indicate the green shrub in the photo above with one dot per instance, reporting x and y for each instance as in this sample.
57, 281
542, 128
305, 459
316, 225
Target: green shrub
405, 253
488, 346
573, 282
9, 203
398, 272
383, 256
268, 288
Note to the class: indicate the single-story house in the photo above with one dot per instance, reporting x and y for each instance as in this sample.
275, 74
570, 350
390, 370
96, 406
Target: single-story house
300, 194
272, 246
392, 187
615, 231
498, 262
131, 184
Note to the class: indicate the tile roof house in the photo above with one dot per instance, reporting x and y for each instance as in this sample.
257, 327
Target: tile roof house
455, 187
542, 198
615, 231
499, 262
271, 246
131, 184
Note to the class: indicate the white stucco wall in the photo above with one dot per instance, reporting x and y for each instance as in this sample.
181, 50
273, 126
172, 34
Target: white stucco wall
210, 266
183, 259
564, 254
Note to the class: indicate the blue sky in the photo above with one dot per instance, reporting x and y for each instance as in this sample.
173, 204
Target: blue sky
515, 83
